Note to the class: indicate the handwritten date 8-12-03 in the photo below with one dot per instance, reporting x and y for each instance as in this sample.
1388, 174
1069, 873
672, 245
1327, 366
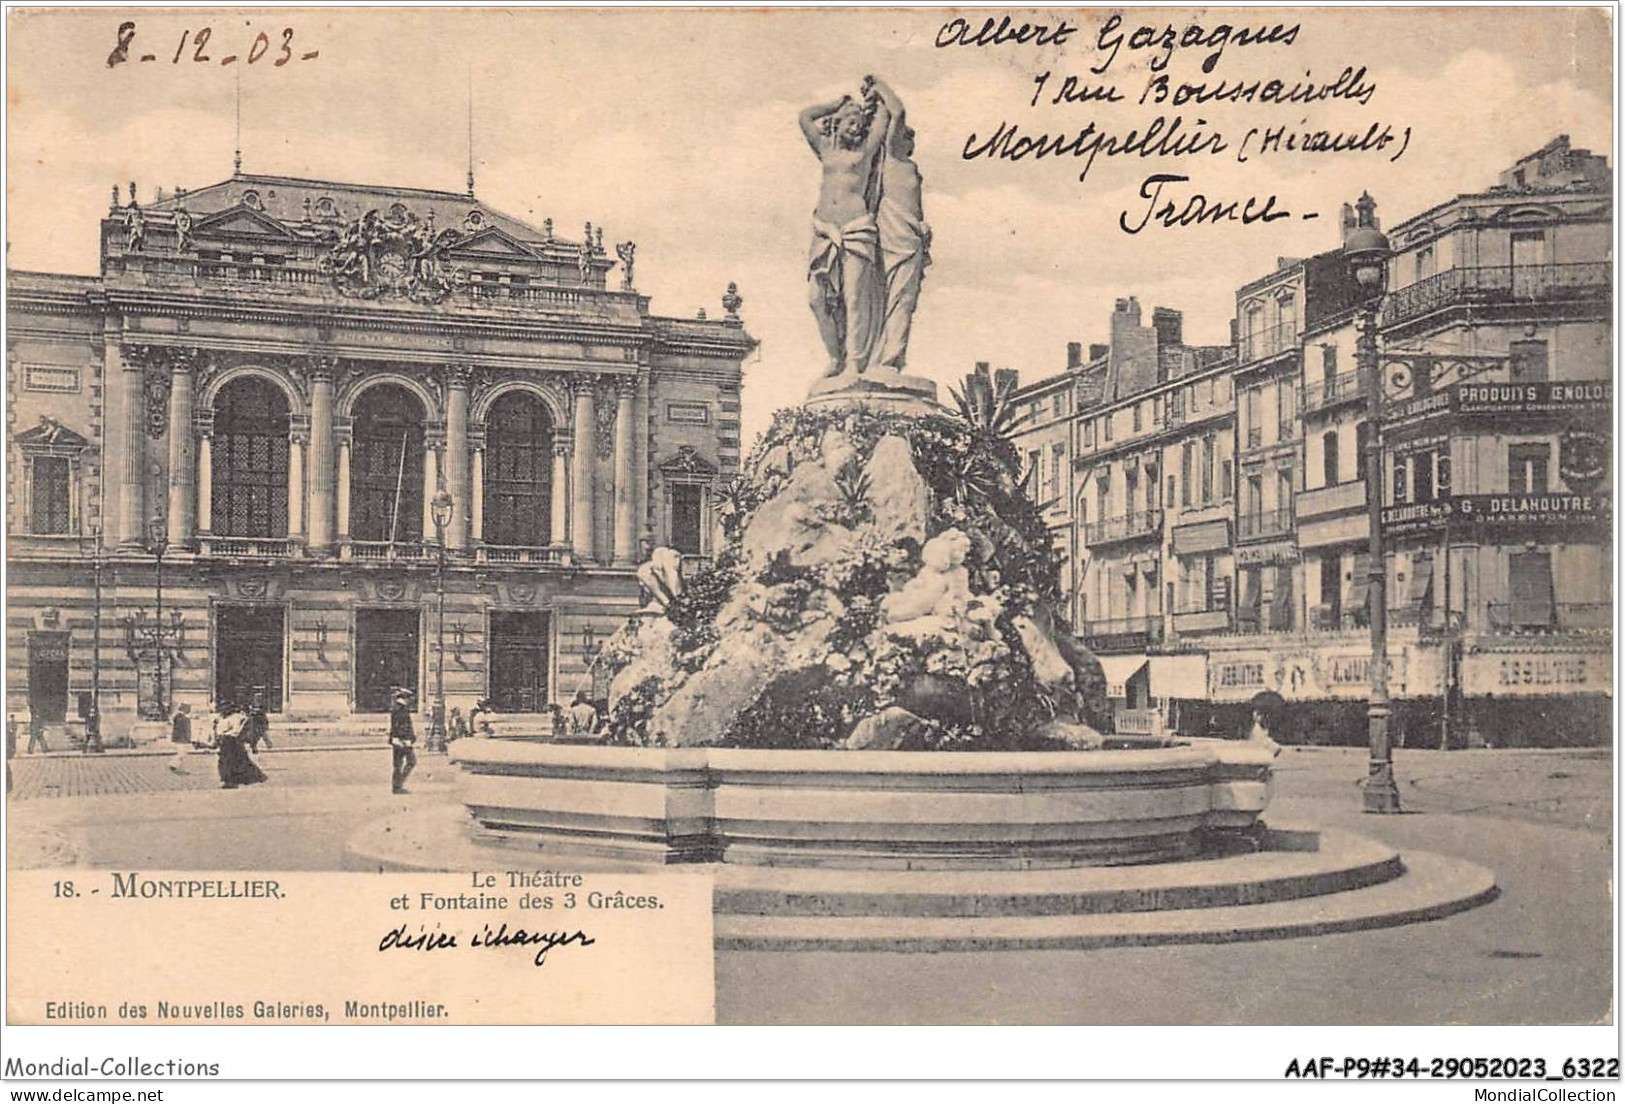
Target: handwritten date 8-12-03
195, 47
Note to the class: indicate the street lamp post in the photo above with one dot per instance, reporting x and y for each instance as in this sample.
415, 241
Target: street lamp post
441, 507
93, 722
160, 544
1367, 251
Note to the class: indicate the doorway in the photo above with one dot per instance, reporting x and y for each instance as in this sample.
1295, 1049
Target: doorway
519, 661
248, 655
48, 676
386, 656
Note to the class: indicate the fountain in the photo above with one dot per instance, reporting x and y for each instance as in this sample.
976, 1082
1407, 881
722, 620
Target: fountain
867, 720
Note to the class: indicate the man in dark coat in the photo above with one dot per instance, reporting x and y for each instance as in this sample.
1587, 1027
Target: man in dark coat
401, 739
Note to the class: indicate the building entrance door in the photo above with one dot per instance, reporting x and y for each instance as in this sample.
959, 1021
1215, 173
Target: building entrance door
518, 658
48, 676
248, 655
386, 656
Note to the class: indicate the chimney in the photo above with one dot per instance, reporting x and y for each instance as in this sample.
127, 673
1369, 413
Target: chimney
1170, 326
1098, 352
1074, 355
1348, 221
1006, 380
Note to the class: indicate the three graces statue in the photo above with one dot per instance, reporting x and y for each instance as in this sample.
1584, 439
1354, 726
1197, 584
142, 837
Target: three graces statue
870, 241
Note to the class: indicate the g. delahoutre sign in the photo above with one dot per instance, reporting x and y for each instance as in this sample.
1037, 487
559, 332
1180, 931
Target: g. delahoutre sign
1495, 511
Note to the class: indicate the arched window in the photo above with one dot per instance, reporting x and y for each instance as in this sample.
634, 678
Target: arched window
518, 471
386, 466
250, 465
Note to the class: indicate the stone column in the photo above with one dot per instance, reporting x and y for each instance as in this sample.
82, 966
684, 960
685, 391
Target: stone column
432, 443
205, 472
585, 438
457, 378
626, 520
640, 465
182, 518
559, 500
341, 504
321, 456
298, 435
126, 373
476, 491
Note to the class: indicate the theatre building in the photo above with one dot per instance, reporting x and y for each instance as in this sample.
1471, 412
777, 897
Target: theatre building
253, 447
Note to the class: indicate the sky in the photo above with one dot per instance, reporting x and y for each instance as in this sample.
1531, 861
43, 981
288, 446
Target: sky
677, 130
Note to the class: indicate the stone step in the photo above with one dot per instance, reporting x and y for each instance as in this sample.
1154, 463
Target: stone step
1433, 886
1334, 862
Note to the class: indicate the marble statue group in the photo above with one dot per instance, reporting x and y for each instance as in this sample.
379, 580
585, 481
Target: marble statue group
870, 241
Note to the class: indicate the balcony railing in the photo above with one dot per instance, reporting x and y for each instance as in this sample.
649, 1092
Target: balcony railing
1194, 619
388, 551
246, 548
1577, 617
1123, 633
1336, 499
1506, 284
1144, 524
521, 554
1329, 393
1268, 342
1270, 523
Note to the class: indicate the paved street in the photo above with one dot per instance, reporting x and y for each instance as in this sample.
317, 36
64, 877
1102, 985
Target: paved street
1540, 954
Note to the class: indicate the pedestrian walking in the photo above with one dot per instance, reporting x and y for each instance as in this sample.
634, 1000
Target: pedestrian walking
36, 735
401, 739
456, 727
180, 735
236, 768
259, 725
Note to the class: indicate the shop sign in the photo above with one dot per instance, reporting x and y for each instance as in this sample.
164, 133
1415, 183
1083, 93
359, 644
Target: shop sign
1582, 458
1275, 552
1491, 400
1536, 674
1236, 679
1499, 511
1548, 397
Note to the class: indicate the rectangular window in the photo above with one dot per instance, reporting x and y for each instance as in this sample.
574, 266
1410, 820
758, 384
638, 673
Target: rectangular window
1422, 485
687, 509
1254, 506
48, 495
1328, 456
1108, 433
1035, 474
1089, 434
1058, 404
1530, 576
1328, 366
1139, 418
1151, 486
1187, 464
1227, 480
1283, 491
1286, 410
1526, 468
1331, 590
1528, 361
1207, 470
1057, 458
1281, 609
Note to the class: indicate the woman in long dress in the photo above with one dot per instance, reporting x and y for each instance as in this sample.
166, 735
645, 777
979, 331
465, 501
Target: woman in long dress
236, 768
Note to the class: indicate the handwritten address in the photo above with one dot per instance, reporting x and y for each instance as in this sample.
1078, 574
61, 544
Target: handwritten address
1167, 124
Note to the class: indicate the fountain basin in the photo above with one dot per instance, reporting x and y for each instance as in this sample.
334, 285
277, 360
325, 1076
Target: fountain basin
865, 809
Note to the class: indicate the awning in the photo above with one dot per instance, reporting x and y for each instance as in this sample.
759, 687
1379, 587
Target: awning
1119, 669
1179, 676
